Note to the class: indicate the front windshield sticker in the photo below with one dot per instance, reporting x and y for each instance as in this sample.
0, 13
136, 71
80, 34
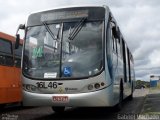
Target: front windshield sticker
67, 71
37, 52
50, 75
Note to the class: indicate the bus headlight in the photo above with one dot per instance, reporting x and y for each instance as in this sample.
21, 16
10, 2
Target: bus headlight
90, 87
30, 88
96, 86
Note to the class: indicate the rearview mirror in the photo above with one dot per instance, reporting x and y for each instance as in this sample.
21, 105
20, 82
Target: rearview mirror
17, 41
21, 26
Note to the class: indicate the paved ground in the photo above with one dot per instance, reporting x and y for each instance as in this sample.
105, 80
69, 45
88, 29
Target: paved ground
151, 106
45, 113
152, 102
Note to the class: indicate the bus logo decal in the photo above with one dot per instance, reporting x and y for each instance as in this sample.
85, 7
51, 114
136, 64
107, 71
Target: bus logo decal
37, 52
67, 71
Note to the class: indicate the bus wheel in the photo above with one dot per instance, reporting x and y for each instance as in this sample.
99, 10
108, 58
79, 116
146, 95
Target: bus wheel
130, 97
118, 107
59, 109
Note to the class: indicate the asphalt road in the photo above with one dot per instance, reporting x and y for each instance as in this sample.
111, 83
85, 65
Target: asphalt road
45, 113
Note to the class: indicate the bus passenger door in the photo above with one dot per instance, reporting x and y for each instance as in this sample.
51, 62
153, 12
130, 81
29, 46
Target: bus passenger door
126, 84
112, 50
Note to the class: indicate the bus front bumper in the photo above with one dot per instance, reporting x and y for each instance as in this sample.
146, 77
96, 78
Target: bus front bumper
101, 98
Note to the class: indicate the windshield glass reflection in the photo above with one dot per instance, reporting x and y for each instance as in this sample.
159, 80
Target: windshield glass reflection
80, 57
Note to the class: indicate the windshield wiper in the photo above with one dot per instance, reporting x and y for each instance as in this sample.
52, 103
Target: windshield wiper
77, 28
49, 31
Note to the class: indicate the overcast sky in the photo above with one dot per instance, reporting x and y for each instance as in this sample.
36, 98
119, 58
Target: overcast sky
139, 21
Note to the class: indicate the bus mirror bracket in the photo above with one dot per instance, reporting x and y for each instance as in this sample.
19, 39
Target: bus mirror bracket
116, 32
115, 29
21, 26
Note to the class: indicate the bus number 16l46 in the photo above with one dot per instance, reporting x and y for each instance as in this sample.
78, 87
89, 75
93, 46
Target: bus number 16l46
52, 85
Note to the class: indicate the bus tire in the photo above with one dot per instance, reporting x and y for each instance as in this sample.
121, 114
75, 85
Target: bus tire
118, 107
130, 97
58, 109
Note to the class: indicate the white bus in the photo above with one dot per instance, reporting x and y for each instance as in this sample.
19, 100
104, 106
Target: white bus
75, 57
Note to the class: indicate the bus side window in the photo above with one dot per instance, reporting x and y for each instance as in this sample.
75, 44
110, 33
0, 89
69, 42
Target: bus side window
114, 44
6, 53
119, 47
130, 65
114, 41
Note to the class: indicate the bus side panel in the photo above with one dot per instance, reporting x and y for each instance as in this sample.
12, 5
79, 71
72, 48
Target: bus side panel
9, 75
18, 82
14, 91
111, 65
14, 95
9, 87
5, 79
114, 62
3, 93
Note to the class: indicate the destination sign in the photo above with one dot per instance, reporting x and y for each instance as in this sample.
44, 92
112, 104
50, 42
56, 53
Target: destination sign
63, 15
66, 15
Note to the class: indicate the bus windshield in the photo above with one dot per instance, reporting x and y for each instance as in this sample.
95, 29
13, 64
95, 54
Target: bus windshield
62, 57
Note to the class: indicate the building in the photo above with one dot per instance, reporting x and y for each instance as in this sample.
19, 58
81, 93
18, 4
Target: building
154, 81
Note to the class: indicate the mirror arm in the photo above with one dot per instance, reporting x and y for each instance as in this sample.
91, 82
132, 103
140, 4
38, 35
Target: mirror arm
21, 26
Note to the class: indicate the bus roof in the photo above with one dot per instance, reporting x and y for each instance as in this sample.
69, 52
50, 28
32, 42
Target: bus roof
70, 6
9, 37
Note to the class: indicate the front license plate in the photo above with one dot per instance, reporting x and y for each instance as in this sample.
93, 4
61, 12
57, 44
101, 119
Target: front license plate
60, 99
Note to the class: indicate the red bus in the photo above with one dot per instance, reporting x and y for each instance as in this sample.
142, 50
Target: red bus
10, 63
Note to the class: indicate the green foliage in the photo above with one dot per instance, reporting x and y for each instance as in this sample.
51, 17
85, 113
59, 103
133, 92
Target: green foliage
158, 85
140, 84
